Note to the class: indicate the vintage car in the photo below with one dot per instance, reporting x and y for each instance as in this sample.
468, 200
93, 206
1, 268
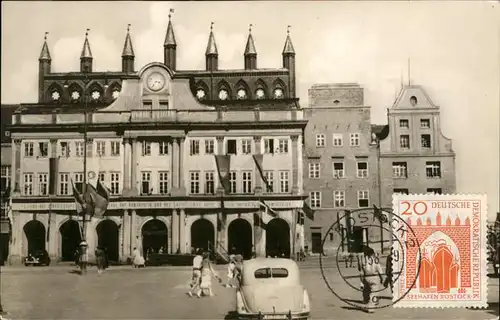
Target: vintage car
270, 288
38, 258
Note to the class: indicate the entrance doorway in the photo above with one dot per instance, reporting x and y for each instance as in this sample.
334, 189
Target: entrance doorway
70, 239
154, 236
278, 238
202, 235
35, 236
108, 238
317, 242
356, 239
239, 238
4, 248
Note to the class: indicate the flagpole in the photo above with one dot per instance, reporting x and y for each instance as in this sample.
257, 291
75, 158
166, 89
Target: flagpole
83, 244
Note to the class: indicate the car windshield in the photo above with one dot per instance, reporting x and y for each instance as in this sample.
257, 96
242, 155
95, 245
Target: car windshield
265, 273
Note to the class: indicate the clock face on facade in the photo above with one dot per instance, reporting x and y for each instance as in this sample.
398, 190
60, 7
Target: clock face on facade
116, 93
75, 95
242, 94
96, 95
156, 81
200, 94
55, 96
223, 94
260, 93
278, 93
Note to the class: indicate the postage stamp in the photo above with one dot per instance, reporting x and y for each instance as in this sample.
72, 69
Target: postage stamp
446, 265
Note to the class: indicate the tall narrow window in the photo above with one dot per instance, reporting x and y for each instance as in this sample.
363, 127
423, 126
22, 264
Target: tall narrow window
101, 148
163, 148
43, 184
146, 183
28, 184
194, 147
404, 141
362, 169
270, 180
246, 179
338, 140
65, 151
146, 148
115, 183
209, 183
231, 146
163, 182
363, 199
64, 184
320, 140
315, 199
43, 149
115, 148
195, 182
246, 146
283, 145
5, 178
433, 169
269, 145
339, 199
79, 181
79, 148
355, 139
29, 149
233, 182
338, 170
314, 170
209, 146
284, 182
425, 141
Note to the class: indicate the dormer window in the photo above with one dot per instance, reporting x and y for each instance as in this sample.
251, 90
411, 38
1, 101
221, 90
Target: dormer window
200, 94
56, 95
242, 94
413, 101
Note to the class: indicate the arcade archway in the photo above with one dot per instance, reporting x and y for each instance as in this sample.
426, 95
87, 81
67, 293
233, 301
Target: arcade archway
35, 236
202, 235
239, 238
154, 236
278, 238
70, 239
108, 238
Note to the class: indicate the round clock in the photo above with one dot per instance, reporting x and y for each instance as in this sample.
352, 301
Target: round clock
156, 81
200, 94
278, 93
242, 94
223, 94
260, 93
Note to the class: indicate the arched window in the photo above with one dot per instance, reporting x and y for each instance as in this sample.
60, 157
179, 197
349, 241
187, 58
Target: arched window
261, 90
113, 91
242, 90
279, 89
224, 91
75, 93
55, 93
95, 93
202, 92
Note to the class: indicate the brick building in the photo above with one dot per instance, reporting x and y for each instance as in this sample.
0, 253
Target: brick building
350, 164
155, 136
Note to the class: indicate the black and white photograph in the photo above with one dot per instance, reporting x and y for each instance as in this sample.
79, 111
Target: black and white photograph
250, 160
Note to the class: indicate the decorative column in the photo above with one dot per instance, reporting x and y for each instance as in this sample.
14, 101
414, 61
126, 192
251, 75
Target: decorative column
182, 230
16, 244
53, 233
133, 228
16, 167
51, 219
135, 151
182, 189
127, 166
258, 178
175, 166
295, 164
125, 229
175, 232
260, 238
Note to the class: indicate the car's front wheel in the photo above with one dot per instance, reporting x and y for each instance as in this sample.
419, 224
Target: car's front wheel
26, 264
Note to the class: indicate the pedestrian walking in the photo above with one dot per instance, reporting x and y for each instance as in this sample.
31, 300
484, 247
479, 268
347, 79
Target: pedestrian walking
231, 272
137, 259
388, 271
371, 277
196, 276
100, 260
207, 272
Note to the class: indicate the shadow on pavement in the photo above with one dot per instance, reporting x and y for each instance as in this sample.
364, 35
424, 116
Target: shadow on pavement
78, 272
356, 309
231, 315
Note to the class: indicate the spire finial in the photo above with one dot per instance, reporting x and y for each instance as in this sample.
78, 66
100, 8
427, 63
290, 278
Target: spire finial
170, 14
128, 28
45, 37
288, 29
211, 26
250, 28
87, 33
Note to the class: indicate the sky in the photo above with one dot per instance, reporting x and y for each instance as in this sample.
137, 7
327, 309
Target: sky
453, 49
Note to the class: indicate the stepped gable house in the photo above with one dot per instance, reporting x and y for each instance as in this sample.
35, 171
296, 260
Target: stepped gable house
189, 156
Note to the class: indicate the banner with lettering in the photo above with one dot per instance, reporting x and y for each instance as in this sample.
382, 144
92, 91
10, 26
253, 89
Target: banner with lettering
259, 159
269, 210
223, 163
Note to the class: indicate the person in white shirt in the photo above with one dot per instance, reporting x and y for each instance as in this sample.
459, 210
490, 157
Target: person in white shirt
370, 273
196, 278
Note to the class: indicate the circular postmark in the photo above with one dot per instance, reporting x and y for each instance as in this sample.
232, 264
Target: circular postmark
402, 237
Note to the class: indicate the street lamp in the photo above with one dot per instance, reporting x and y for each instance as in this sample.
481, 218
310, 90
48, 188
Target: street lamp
83, 244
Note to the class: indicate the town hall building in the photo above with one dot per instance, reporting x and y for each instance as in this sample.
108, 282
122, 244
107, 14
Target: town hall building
162, 141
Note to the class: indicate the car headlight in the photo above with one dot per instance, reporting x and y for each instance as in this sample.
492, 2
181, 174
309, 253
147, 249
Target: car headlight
240, 306
306, 305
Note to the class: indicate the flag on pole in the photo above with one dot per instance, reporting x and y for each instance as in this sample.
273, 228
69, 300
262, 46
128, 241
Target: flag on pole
269, 210
309, 212
379, 215
80, 202
223, 163
257, 220
97, 199
258, 159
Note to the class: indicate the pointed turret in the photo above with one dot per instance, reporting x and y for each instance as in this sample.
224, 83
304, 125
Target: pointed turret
211, 54
128, 55
289, 62
44, 67
86, 56
170, 45
250, 52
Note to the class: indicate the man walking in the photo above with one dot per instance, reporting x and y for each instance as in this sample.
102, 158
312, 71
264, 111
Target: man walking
196, 276
371, 277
